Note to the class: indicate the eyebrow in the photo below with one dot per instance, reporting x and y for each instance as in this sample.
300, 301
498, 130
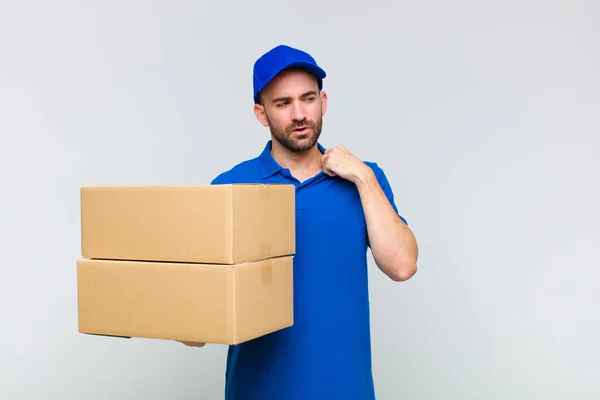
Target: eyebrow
287, 98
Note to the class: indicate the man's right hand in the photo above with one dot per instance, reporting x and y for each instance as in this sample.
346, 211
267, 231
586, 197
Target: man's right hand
192, 344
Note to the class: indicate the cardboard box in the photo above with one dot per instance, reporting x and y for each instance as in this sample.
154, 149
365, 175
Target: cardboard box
220, 224
226, 304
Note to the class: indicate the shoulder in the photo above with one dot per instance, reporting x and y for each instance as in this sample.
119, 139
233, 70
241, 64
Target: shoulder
243, 172
377, 170
385, 185
381, 177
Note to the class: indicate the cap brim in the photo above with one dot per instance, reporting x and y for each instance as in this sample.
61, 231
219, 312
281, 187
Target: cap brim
312, 68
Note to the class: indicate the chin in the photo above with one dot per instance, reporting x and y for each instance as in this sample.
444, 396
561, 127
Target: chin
299, 143
303, 144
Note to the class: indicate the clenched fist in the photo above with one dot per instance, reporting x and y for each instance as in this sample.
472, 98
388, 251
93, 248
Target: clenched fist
339, 161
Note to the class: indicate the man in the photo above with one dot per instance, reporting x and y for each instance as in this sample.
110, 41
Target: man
343, 206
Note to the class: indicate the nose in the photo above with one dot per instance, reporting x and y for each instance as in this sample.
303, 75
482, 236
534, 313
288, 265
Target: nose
298, 112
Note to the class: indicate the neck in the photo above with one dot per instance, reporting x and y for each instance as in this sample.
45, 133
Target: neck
309, 160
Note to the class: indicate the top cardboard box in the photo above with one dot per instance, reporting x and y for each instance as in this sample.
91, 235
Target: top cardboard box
218, 224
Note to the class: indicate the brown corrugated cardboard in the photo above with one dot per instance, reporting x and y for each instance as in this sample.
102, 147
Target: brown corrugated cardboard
226, 304
221, 224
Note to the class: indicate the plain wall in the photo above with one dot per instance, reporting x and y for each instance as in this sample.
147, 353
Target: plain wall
484, 115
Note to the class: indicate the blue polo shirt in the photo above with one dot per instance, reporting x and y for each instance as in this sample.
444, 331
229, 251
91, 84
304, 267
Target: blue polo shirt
326, 354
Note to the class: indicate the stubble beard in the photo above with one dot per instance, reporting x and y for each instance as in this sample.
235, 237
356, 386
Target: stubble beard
296, 143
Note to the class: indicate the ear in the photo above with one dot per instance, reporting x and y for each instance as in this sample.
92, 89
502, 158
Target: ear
259, 111
323, 103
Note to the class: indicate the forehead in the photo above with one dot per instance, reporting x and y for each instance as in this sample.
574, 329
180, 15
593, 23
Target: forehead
291, 82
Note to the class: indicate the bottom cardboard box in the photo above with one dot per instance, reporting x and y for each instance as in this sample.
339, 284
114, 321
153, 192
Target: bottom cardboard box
226, 304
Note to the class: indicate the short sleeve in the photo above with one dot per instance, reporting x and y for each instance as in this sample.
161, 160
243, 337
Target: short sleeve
387, 189
220, 179
225, 178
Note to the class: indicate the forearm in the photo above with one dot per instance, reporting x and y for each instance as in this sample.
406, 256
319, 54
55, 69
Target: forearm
392, 243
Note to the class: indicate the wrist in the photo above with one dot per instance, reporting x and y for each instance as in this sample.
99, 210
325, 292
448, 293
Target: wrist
364, 177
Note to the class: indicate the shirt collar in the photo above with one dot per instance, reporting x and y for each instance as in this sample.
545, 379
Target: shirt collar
268, 165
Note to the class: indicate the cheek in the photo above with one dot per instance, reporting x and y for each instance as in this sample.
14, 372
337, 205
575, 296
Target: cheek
315, 113
280, 119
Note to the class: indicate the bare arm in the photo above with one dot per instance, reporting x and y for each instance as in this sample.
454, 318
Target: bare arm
392, 242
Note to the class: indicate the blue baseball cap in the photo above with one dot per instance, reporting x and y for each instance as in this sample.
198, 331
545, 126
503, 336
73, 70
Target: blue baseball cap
279, 58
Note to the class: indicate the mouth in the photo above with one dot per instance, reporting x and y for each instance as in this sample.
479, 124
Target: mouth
301, 130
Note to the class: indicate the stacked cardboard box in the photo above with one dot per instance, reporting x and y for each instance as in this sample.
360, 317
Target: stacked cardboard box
208, 263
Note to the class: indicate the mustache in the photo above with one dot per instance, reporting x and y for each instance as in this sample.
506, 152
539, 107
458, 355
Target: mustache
301, 124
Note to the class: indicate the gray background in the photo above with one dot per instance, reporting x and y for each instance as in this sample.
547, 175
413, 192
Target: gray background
484, 115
